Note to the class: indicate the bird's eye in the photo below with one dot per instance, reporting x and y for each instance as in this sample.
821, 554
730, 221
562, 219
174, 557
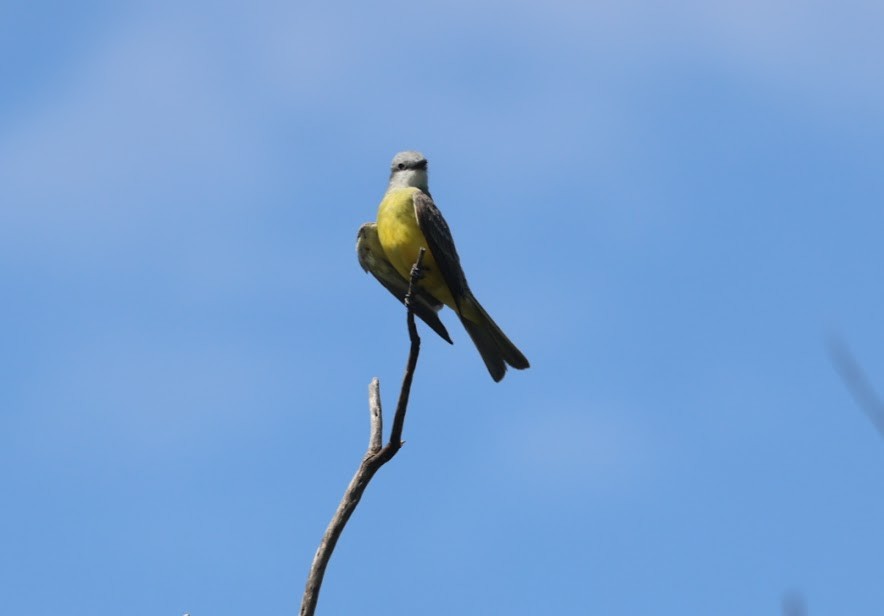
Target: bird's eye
401, 166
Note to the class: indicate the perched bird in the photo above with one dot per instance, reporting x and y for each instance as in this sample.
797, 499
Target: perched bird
374, 261
408, 220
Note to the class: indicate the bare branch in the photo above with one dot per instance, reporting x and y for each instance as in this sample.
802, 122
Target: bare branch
399, 417
374, 458
857, 383
794, 605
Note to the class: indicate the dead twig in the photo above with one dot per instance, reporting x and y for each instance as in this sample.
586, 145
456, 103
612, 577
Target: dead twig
856, 381
374, 458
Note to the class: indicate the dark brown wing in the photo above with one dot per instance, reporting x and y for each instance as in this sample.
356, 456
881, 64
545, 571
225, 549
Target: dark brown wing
495, 348
441, 244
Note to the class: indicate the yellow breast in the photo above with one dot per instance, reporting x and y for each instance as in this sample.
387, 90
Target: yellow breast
402, 239
398, 230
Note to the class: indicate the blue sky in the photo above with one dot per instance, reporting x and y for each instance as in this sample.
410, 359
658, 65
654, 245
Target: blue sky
668, 208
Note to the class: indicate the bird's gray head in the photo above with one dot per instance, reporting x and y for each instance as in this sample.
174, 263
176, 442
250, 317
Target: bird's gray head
409, 169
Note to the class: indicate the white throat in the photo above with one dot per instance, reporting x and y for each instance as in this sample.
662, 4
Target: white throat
409, 178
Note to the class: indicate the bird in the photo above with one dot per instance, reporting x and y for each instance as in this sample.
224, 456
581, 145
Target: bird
373, 260
409, 220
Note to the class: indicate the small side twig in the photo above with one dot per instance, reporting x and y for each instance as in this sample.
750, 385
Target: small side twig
374, 458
